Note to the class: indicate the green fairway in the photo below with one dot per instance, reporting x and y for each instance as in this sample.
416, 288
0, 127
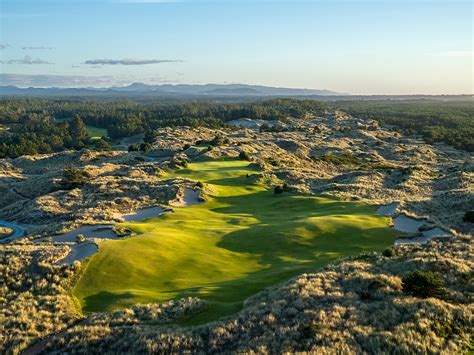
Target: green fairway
96, 133
245, 238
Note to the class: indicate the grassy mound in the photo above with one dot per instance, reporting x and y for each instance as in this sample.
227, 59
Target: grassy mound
242, 240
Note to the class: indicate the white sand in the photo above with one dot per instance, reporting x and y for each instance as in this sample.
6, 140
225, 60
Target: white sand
190, 198
388, 210
406, 224
409, 225
79, 252
142, 214
100, 231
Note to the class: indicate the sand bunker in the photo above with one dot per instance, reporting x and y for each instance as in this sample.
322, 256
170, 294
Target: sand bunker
79, 252
99, 231
406, 224
190, 198
142, 214
388, 210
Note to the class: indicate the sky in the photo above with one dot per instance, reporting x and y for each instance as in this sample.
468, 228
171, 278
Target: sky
351, 46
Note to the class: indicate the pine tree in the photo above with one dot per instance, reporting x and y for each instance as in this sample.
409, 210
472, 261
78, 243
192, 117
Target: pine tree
78, 130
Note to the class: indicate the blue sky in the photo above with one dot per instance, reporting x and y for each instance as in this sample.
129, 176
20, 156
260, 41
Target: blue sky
360, 47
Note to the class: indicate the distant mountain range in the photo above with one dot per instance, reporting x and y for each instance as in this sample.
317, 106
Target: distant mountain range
139, 89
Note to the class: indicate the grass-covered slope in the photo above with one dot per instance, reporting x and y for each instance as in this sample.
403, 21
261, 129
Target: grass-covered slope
242, 240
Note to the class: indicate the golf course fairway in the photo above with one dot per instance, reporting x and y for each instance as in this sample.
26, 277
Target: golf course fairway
242, 240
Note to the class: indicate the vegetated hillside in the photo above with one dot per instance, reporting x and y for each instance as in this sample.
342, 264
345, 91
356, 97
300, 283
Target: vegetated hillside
33, 126
449, 122
369, 304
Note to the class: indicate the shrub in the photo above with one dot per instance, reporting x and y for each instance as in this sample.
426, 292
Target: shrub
102, 145
468, 217
200, 184
74, 176
121, 231
274, 162
244, 155
80, 238
376, 284
186, 146
134, 148
389, 252
145, 147
423, 284
216, 141
282, 188
150, 136
278, 190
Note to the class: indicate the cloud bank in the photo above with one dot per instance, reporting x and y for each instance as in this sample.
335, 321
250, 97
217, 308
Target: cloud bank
25, 60
130, 61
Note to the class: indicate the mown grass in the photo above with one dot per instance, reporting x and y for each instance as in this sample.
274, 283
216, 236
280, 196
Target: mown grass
243, 239
96, 133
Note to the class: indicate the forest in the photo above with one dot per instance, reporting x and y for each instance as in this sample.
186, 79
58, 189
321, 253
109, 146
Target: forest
451, 122
33, 125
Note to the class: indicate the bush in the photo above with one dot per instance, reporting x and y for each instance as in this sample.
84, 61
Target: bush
186, 146
150, 136
216, 141
389, 252
281, 188
376, 285
274, 162
80, 238
468, 217
121, 231
423, 284
134, 148
200, 184
145, 147
74, 176
102, 145
278, 190
244, 155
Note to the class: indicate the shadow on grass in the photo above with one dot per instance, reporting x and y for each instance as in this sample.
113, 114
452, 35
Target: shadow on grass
105, 300
287, 243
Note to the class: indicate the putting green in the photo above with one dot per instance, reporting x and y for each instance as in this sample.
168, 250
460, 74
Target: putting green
245, 238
